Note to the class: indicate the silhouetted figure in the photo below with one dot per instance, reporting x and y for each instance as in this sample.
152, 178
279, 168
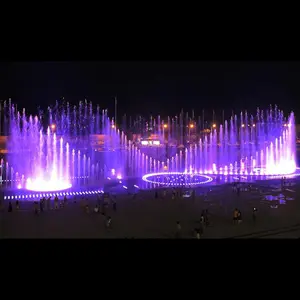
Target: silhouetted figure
235, 216
202, 217
17, 205
44, 203
41, 205
206, 220
178, 230
239, 217
10, 209
49, 203
56, 202
36, 207
108, 222
103, 209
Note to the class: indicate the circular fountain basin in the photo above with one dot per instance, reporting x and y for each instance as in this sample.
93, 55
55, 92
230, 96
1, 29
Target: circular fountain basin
41, 185
177, 179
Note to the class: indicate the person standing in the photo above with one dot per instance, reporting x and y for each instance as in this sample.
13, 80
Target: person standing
254, 212
178, 230
56, 202
36, 207
10, 209
108, 223
235, 216
41, 205
49, 203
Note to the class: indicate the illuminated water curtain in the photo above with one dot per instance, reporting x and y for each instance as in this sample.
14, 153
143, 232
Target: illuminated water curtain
263, 145
61, 155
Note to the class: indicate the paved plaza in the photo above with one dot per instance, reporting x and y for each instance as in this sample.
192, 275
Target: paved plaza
144, 216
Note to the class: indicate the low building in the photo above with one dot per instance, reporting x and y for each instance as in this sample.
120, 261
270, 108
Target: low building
3, 144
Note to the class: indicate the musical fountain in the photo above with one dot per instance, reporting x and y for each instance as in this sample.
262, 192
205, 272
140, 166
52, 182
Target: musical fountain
61, 152
254, 148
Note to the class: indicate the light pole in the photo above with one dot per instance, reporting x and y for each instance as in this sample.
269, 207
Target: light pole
191, 126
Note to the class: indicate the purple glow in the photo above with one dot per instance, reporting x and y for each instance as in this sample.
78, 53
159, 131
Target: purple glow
41, 185
239, 147
176, 178
28, 195
84, 147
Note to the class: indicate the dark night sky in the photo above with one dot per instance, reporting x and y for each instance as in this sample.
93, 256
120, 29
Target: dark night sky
154, 87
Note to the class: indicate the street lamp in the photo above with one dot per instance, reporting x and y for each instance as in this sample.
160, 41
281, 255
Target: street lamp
165, 126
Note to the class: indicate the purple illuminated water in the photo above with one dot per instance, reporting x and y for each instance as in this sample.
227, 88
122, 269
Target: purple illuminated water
62, 153
60, 156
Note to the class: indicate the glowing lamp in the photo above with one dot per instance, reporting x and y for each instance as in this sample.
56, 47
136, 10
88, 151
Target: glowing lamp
165, 126
53, 126
191, 125
214, 125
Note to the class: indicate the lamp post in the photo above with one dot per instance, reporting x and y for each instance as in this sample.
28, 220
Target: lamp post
191, 126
